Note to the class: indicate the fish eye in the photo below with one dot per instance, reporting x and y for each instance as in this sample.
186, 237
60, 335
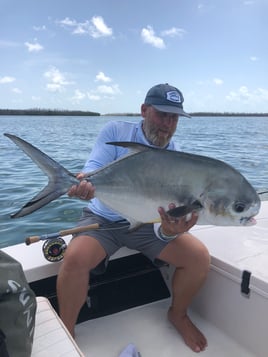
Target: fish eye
239, 207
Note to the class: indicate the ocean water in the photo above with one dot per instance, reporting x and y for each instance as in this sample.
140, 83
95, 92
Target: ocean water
239, 141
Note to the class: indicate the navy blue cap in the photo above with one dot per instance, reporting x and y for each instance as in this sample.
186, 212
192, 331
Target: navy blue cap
166, 98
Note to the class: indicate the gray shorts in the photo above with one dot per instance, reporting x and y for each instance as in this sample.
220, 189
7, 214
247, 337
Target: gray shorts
114, 235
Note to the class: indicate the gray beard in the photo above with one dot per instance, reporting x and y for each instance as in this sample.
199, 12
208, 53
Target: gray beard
155, 140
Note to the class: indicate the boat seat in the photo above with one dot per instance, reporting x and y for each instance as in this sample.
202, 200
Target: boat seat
51, 337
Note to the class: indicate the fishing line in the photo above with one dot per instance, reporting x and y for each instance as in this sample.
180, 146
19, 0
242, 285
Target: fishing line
261, 193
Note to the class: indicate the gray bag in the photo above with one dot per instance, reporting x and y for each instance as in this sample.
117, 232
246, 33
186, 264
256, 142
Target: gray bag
17, 308
3, 346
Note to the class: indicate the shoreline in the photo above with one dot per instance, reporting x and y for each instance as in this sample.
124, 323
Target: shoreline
55, 112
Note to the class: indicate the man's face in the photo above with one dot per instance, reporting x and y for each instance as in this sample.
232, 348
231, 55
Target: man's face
158, 126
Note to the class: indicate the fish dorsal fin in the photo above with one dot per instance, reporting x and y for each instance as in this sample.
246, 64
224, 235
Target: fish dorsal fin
134, 147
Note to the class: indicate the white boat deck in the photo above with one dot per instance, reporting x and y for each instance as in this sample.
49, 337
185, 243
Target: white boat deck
149, 330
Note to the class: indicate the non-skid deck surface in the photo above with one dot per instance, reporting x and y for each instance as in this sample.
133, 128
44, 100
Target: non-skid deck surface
51, 338
149, 330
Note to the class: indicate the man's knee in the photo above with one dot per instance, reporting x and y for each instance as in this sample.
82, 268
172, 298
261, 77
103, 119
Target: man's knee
202, 257
83, 253
186, 252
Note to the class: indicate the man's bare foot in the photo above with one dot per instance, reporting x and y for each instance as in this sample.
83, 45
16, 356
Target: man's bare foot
192, 336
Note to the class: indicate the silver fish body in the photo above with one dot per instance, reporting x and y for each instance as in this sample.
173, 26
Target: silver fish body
136, 185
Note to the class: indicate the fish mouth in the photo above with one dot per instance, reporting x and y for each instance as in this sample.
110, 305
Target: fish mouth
248, 221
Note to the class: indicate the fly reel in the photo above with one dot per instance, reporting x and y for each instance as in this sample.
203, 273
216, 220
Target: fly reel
53, 249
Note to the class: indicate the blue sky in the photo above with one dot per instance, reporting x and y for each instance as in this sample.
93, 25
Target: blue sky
103, 55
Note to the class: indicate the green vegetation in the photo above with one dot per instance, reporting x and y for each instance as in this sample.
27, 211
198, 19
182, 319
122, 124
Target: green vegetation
201, 114
122, 114
39, 111
227, 114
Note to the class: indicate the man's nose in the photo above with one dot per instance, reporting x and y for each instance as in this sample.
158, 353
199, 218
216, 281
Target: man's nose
168, 119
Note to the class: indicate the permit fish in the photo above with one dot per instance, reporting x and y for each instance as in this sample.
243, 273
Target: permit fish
137, 184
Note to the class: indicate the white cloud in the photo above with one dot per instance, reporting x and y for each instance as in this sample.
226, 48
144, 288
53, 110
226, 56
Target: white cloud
209, 82
7, 79
96, 27
40, 28
205, 7
54, 87
254, 58
81, 29
100, 28
35, 99
218, 81
109, 90
78, 96
56, 80
148, 36
243, 94
33, 47
174, 32
93, 97
100, 77
16, 90
104, 91
67, 22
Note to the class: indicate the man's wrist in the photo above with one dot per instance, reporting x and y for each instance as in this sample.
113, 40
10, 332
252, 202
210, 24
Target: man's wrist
164, 237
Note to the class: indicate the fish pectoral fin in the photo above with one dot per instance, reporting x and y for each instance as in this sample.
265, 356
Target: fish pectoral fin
181, 211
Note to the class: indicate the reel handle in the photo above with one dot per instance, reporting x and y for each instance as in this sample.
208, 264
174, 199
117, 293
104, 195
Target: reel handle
32, 239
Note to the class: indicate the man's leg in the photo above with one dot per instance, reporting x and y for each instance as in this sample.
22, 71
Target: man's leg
82, 255
191, 260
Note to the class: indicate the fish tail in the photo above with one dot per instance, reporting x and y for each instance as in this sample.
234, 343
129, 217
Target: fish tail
60, 179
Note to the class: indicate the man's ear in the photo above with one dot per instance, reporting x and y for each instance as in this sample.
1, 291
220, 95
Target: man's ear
144, 108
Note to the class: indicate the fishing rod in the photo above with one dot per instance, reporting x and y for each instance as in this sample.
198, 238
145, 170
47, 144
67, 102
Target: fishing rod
54, 246
62, 233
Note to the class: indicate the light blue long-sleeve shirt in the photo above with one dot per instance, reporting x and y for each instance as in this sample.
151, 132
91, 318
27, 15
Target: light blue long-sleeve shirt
102, 154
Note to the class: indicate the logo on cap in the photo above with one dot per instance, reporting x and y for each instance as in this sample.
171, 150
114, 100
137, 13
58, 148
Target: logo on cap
174, 96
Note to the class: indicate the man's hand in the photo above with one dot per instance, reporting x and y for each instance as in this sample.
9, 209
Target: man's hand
171, 225
84, 190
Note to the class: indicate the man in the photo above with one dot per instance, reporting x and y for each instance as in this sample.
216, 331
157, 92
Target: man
171, 242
